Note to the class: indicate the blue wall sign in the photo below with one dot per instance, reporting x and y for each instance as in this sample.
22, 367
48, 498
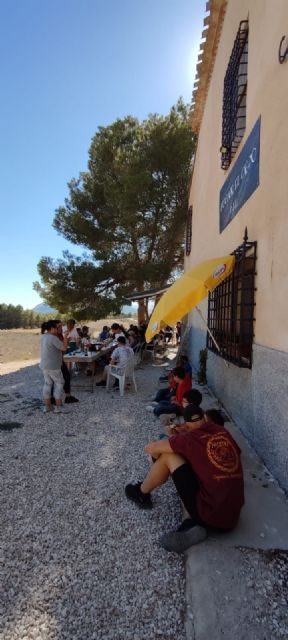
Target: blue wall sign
242, 180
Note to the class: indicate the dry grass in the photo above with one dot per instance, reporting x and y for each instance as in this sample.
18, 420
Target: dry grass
23, 344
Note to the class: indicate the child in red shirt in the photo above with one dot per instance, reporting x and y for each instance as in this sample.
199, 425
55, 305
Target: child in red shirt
174, 404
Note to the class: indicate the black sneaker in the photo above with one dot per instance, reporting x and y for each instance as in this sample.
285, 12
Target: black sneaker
102, 383
70, 399
134, 493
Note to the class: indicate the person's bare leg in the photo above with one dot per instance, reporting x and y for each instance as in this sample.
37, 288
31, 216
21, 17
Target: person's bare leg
161, 470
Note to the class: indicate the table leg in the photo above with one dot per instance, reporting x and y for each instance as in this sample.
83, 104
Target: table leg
93, 375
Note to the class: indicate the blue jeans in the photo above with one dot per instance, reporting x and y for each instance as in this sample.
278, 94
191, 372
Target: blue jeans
167, 407
164, 394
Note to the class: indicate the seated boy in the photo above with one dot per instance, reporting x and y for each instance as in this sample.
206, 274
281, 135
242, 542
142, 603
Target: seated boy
174, 404
190, 397
206, 469
182, 361
118, 361
183, 425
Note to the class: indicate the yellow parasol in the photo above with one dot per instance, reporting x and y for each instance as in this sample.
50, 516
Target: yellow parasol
192, 287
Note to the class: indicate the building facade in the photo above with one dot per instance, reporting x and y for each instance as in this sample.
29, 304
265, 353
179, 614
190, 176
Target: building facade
239, 203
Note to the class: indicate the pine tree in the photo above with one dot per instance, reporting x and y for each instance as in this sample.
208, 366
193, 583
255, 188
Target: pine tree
128, 211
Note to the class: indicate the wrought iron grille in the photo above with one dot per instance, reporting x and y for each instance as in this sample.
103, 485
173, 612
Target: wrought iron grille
189, 231
234, 97
231, 309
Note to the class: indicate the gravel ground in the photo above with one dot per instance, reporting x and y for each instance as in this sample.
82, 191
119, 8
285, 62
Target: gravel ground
80, 560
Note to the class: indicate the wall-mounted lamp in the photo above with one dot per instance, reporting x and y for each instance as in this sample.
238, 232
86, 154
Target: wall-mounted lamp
283, 49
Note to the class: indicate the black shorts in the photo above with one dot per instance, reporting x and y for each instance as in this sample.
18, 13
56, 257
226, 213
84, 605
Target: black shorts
187, 486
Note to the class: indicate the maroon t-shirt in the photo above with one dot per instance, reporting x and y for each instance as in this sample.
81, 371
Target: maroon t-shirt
215, 459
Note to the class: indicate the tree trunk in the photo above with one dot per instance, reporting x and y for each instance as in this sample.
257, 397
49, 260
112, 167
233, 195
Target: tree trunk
142, 311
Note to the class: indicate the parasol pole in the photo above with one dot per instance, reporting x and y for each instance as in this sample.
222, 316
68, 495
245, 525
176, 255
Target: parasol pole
210, 333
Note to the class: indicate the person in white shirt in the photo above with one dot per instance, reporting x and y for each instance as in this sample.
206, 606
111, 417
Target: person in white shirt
73, 335
116, 331
119, 358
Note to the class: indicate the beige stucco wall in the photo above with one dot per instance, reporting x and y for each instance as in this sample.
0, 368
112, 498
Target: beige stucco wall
266, 212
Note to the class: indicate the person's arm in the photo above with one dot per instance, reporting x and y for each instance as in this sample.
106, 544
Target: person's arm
180, 428
158, 447
65, 341
114, 357
172, 429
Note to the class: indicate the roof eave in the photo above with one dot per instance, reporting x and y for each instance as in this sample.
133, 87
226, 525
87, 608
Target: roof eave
213, 23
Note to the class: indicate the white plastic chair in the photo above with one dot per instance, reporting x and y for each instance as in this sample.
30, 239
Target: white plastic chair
121, 374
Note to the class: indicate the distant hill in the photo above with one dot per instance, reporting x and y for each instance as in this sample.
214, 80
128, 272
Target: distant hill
44, 308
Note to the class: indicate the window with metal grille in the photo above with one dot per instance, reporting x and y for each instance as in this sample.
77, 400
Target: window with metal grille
231, 309
234, 97
189, 231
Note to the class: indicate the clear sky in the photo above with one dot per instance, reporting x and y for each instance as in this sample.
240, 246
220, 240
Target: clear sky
69, 66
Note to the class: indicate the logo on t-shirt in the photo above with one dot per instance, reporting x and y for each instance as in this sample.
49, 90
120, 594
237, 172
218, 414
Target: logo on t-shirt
222, 454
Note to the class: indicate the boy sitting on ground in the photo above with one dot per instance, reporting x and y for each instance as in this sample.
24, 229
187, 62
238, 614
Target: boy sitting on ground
192, 397
206, 469
174, 404
183, 425
182, 361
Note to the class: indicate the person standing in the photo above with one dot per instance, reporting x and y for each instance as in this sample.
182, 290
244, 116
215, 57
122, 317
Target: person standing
51, 363
66, 374
178, 329
72, 335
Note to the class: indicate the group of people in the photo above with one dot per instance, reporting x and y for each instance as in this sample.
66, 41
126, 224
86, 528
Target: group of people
134, 335
200, 456
57, 340
195, 449
169, 332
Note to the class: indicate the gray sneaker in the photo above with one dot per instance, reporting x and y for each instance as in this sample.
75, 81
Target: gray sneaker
47, 409
61, 410
180, 541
